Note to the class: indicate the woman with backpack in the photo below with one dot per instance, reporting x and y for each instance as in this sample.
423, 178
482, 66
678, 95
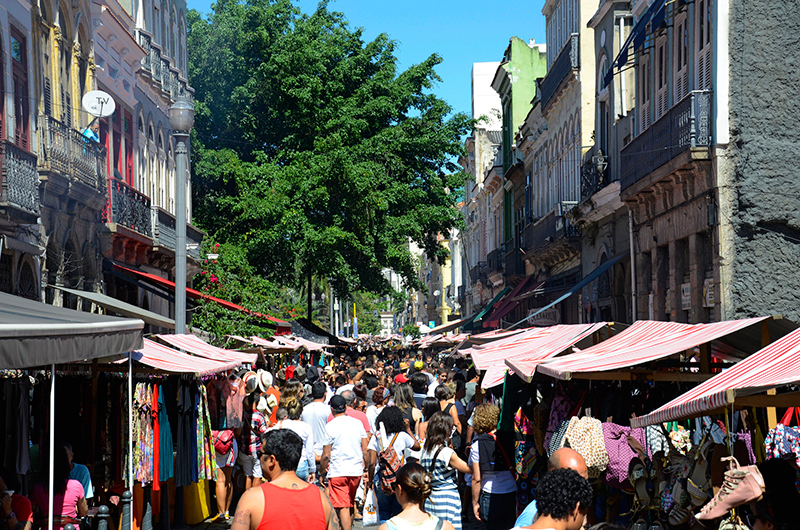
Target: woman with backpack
412, 489
441, 461
494, 488
385, 458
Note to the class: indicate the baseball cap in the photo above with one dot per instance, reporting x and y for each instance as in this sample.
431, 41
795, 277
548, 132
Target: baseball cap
338, 404
289, 373
400, 378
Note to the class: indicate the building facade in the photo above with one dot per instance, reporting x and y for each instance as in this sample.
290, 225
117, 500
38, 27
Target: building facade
80, 206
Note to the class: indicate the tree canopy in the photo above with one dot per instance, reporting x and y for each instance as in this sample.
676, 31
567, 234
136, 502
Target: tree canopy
312, 152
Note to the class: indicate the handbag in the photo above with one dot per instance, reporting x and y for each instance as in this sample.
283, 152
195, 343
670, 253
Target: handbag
223, 441
586, 437
783, 438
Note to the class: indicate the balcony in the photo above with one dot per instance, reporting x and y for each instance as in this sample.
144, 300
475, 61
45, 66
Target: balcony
494, 261
553, 238
478, 272
160, 70
686, 126
67, 152
19, 181
594, 173
129, 208
164, 236
568, 60
514, 265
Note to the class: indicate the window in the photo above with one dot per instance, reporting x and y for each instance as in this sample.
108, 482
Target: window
681, 61
128, 132
703, 40
141, 124
19, 73
65, 70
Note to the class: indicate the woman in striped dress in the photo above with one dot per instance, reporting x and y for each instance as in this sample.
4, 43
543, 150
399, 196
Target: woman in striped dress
439, 459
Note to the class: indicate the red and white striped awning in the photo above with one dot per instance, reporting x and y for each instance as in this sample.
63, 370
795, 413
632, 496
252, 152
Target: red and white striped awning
531, 347
271, 346
195, 345
644, 341
775, 365
165, 358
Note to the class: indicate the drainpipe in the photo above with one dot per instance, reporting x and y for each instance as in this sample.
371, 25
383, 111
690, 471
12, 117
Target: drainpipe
633, 265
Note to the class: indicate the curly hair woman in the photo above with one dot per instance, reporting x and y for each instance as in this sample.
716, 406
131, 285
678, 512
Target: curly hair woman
400, 437
563, 498
494, 490
412, 489
441, 461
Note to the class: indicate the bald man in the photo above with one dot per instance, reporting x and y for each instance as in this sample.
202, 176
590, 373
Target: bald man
564, 458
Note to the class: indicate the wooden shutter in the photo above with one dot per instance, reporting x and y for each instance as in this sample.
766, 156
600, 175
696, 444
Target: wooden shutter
661, 70
703, 45
644, 92
681, 62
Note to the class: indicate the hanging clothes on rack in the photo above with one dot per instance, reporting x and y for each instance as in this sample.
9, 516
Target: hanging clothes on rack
207, 464
156, 438
186, 461
166, 453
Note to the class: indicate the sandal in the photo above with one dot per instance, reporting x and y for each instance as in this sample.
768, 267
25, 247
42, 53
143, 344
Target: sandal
638, 477
741, 485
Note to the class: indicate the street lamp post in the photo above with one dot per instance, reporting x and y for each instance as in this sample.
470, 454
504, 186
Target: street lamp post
181, 118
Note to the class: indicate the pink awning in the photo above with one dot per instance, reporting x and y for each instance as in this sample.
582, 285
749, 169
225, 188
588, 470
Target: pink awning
272, 346
644, 341
165, 358
775, 365
532, 346
197, 346
509, 303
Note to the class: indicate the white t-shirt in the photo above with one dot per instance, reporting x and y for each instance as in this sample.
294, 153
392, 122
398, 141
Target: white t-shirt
372, 415
316, 415
344, 435
492, 481
303, 430
343, 388
432, 388
403, 442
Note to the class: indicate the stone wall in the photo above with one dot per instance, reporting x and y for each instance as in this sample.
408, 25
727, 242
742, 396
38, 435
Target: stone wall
759, 187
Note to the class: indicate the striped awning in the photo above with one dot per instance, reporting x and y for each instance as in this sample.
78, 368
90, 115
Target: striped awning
775, 365
531, 346
165, 358
197, 346
644, 341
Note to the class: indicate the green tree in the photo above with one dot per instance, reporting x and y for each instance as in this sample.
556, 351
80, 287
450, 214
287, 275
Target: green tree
312, 152
411, 329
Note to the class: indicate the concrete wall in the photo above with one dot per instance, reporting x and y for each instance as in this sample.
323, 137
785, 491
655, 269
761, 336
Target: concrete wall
757, 171
485, 101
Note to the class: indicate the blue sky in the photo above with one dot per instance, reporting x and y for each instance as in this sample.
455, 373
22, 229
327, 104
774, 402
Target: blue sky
462, 32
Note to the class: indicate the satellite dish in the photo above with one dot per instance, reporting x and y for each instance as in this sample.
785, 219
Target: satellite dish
98, 103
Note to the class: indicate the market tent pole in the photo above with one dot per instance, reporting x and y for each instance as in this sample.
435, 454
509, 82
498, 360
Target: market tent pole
50, 486
130, 421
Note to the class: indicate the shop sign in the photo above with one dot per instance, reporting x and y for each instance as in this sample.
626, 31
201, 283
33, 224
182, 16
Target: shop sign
708, 292
686, 296
549, 317
431, 324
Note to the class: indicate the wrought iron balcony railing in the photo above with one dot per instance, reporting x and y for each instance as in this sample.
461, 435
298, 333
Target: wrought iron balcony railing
514, 264
685, 126
128, 207
67, 152
594, 173
550, 229
19, 178
160, 69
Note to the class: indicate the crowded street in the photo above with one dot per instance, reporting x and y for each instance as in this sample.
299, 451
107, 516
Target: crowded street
347, 265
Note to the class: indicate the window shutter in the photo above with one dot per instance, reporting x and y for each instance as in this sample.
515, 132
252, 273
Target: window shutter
48, 97
703, 40
681, 58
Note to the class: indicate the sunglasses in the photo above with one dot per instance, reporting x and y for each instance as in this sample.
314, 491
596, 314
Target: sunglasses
260, 453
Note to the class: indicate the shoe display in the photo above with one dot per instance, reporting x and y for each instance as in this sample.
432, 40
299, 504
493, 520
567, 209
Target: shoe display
740, 485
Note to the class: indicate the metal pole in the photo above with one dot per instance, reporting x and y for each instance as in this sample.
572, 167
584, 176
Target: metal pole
50, 487
130, 421
180, 231
633, 267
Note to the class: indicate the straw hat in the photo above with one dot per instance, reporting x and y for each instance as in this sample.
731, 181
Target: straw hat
264, 380
250, 382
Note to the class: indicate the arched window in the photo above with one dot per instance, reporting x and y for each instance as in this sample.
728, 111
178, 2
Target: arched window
141, 124
65, 68
150, 134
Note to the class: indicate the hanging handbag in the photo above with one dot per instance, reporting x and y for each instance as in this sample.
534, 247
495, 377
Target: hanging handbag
223, 441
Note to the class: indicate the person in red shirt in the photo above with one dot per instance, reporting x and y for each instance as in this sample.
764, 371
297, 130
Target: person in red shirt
15, 509
285, 501
350, 398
